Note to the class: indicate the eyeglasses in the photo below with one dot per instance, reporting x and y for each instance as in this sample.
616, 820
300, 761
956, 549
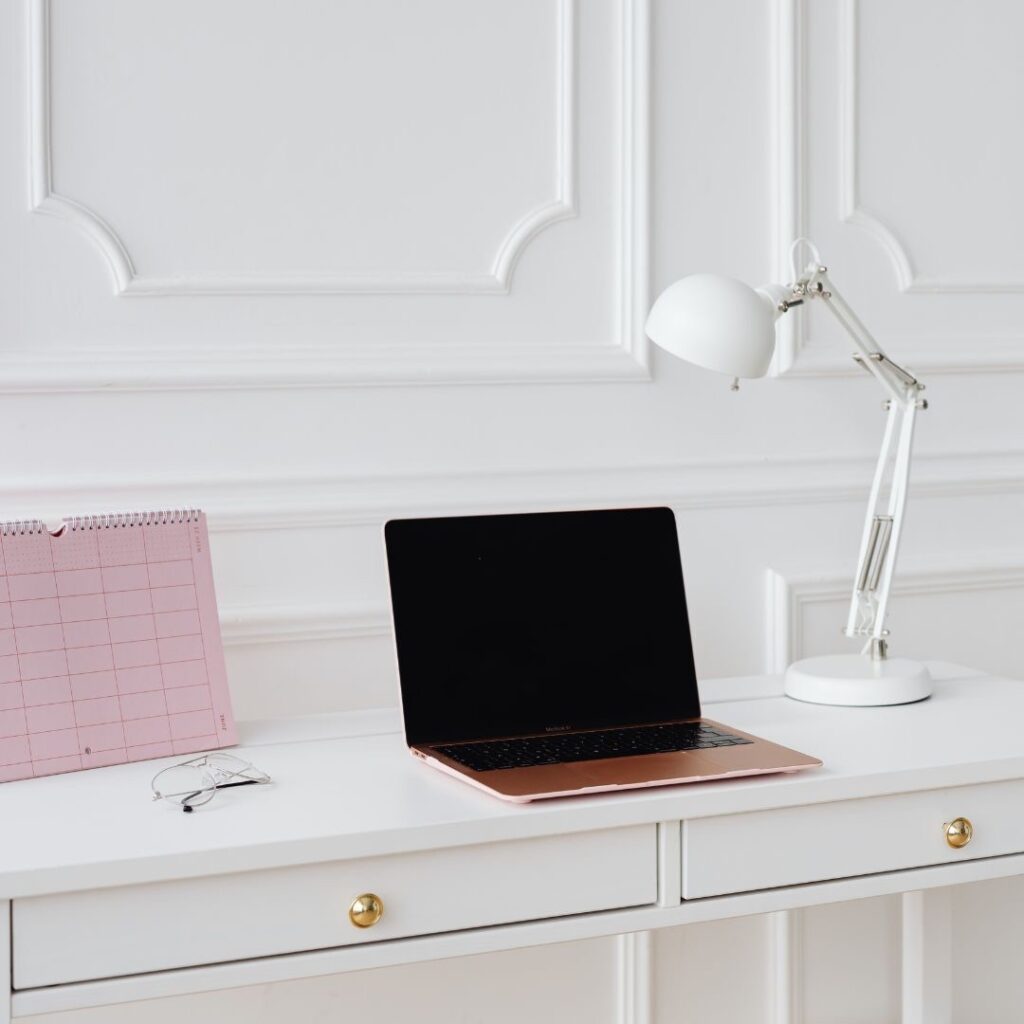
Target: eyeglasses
194, 783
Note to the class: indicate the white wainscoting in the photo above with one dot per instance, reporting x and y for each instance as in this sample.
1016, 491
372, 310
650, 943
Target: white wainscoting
940, 608
434, 187
499, 60
915, 218
312, 266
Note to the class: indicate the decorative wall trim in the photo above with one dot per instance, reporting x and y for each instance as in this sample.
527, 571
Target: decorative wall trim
329, 725
788, 597
83, 369
853, 211
257, 504
635, 978
788, 161
128, 281
850, 208
624, 357
797, 355
939, 356
260, 625
43, 198
244, 627
635, 156
563, 205
271, 502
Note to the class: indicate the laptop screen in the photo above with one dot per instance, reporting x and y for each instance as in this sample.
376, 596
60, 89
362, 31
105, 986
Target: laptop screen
517, 624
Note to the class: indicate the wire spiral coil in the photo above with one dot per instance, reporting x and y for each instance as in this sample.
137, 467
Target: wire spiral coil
22, 526
103, 521
120, 520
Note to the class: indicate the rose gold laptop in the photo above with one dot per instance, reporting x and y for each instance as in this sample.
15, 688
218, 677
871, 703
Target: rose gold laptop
549, 654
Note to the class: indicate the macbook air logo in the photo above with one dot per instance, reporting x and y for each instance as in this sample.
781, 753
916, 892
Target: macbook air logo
557, 728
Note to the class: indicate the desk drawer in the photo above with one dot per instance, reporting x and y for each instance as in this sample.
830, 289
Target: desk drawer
110, 932
767, 849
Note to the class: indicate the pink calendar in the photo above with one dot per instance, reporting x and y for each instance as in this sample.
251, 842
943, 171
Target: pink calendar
110, 647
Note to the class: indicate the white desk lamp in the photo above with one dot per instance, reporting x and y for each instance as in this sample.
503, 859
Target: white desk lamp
725, 325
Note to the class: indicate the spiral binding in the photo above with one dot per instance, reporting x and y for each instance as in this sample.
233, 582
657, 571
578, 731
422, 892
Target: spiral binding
106, 521
22, 526
115, 520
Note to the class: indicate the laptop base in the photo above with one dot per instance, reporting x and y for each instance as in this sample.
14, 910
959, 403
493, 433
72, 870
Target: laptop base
548, 781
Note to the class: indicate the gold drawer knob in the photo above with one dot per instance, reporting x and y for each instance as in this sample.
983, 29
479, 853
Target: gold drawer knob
366, 910
959, 832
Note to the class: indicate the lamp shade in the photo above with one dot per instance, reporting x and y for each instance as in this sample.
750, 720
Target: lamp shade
716, 322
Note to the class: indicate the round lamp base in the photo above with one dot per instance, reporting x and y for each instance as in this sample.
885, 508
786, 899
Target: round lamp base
855, 680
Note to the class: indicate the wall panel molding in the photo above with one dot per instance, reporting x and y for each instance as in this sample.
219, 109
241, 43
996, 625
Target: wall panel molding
128, 281
788, 162
940, 356
622, 356
299, 624
788, 597
43, 199
908, 278
797, 355
189, 368
851, 211
635, 175
285, 502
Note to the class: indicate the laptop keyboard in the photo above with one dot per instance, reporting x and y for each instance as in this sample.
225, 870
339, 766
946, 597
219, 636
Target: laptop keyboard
564, 748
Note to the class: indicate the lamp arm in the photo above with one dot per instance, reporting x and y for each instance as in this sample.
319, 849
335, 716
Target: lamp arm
815, 284
883, 524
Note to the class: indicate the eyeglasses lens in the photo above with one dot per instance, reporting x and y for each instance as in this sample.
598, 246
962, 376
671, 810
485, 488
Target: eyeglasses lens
187, 784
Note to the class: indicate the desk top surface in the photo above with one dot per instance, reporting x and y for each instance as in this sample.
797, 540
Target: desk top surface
346, 787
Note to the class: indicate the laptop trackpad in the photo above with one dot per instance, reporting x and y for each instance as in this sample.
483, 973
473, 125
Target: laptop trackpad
630, 771
747, 757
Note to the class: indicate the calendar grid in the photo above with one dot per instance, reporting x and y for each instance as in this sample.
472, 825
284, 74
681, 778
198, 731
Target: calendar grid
110, 645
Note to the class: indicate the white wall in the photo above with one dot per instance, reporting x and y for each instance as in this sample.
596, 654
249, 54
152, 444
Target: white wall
313, 265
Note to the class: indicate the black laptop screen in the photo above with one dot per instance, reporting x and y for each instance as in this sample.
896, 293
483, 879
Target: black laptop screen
517, 624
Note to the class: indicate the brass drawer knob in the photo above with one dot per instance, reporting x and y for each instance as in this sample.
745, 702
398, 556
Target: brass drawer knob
366, 910
959, 832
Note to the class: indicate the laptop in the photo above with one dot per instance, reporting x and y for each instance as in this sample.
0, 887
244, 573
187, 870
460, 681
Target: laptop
549, 654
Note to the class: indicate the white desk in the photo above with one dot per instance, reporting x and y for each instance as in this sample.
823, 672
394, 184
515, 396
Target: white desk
256, 887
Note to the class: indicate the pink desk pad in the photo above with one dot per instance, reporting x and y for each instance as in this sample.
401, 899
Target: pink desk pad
110, 647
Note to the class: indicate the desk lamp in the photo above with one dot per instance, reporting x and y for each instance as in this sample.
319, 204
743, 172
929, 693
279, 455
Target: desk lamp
725, 325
